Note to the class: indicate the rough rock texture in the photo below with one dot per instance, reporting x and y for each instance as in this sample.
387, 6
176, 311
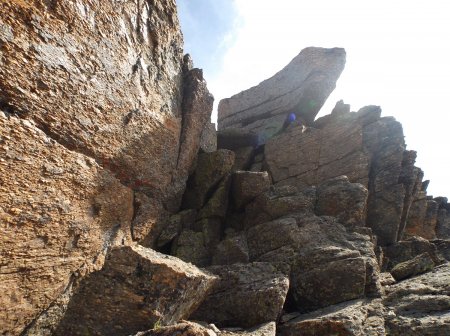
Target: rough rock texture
276, 203
362, 146
187, 328
352, 318
211, 168
301, 88
266, 329
420, 305
409, 249
344, 200
418, 265
231, 250
105, 79
247, 185
339, 280
208, 139
423, 218
245, 296
184, 328
59, 212
107, 84
137, 288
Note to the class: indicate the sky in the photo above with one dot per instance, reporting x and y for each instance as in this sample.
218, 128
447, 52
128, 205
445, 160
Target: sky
398, 57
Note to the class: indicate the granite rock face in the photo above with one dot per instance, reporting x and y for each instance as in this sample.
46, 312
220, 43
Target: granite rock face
107, 107
362, 146
60, 212
137, 288
420, 305
105, 79
300, 88
246, 295
352, 318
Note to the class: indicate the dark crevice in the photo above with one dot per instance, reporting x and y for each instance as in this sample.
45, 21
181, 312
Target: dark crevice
136, 206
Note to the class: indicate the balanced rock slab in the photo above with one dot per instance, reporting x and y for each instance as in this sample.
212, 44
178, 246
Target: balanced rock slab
137, 288
245, 296
301, 88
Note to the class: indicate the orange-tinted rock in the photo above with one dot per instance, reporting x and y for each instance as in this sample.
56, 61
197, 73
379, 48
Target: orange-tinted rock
60, 212
137, 288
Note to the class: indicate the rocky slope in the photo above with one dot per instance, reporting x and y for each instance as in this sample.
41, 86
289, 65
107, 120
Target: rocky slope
123, 212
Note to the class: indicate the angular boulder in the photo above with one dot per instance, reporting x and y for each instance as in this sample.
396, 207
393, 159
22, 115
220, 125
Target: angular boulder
267, 237
344, 200
190, 246
408, 249
275, 203
418, 265
246, 295
328, 283
300, 88
231, 250
247, 185
136, 289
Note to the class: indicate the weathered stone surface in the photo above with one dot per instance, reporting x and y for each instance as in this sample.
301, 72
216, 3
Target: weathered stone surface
275, 203
211, 169
341, 113
266, 329
137, 288
328, 283
245, 296
183, 328
243, 158
190, 246
385, 141
231, 250
423, 217
443, 247
208, 139
353, 318
183, 220
59, 214
217, 205
344, 200
149, 219
443, 224
247, 185
308, 156
408, 249
111, 75
196, 106
420, 305
267, 237
418, 265
411, 177
301, 88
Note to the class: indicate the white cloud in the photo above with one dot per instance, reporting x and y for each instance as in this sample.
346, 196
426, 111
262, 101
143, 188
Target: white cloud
397, 57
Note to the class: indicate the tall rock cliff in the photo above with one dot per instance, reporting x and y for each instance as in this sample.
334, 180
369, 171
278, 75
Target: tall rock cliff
123, 212
101, 120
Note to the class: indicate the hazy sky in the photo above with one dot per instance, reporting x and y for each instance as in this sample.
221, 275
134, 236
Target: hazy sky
398, 57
